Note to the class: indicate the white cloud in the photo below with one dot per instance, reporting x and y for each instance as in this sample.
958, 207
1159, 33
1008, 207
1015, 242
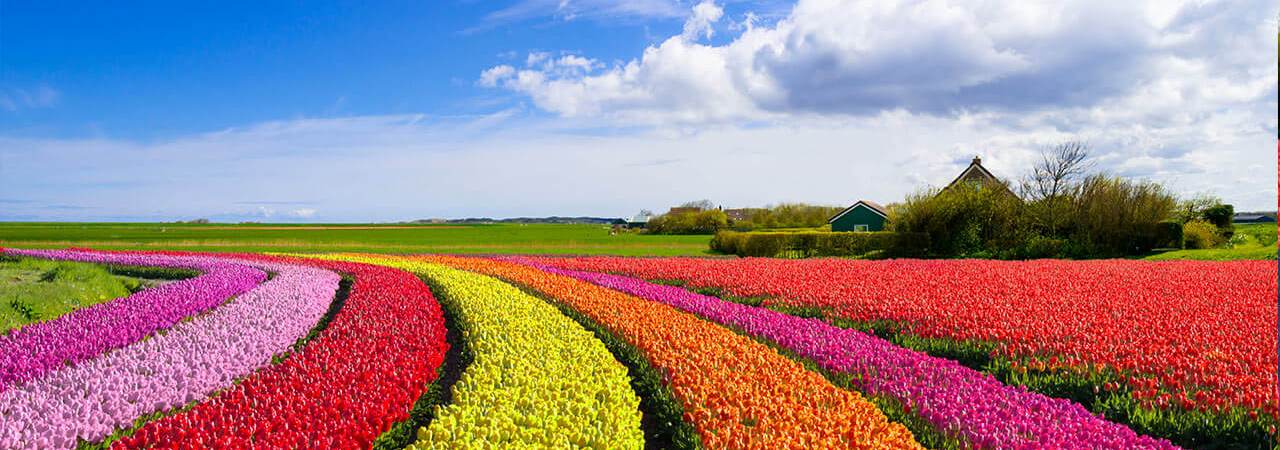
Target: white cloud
491, 76
1175, 91
863, 57
404, 167
699, 24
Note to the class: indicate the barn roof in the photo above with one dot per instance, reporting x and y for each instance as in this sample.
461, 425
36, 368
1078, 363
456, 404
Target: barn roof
873, 206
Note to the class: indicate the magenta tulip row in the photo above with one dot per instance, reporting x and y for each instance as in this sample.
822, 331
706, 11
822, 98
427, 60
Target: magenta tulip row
36, 349
187, 362
955, 399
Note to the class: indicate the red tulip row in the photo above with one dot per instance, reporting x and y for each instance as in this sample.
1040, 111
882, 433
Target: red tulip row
1187, 334
349, 384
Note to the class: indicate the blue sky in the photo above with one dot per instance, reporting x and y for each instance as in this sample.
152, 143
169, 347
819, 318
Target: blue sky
383, 111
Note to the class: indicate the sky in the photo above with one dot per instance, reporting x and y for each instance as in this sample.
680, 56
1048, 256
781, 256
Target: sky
389, 111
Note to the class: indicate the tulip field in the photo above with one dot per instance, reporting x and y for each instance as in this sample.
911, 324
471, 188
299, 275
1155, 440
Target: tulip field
426, 351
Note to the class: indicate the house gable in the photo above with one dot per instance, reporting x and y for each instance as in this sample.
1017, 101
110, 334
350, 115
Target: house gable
861, 216
977, 174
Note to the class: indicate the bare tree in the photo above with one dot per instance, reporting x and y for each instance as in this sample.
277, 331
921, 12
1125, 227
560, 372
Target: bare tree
1054, 180
1060, 169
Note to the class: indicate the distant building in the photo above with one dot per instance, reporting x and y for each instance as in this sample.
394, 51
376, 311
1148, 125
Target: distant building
638, 221
1252, 218
739, 214
865, 215
977, 175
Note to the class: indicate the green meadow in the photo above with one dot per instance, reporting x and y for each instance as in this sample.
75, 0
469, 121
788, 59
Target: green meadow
1253, 241
34, 290
451, 238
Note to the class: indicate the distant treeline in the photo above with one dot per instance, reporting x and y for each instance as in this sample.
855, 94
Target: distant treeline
786, 215
699, 218
552, 219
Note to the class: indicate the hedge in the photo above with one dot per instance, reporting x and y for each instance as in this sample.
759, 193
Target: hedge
817, 243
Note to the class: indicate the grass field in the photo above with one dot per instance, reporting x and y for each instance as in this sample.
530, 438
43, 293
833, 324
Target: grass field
497, 238
1252, 241
36, 290
1255, 241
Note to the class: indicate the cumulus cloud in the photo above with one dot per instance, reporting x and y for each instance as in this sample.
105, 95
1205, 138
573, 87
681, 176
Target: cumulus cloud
1168, 90
700, 23
938, 57
491, 76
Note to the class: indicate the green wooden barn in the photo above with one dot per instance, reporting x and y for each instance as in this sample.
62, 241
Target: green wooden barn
865, 215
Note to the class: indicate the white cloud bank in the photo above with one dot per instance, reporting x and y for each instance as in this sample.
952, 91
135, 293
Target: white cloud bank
928, 56
1173, 90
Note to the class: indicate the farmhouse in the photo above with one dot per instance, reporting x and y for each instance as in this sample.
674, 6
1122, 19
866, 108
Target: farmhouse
978, 176
865, 215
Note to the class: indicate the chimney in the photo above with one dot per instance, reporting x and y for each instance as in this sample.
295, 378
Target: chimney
977, 160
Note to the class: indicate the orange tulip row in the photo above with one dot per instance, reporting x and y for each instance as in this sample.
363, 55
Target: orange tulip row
736, 392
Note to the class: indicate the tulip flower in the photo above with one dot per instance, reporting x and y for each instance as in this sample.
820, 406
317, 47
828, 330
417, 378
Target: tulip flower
34, 350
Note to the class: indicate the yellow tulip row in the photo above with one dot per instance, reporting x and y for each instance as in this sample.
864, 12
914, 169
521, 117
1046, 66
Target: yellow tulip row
538, 379
738, 393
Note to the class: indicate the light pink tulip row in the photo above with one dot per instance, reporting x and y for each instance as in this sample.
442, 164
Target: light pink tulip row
187, 362
34, 350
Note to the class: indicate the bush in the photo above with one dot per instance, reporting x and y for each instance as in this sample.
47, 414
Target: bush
1040, 247
1116, 216
1199, 234
815, 243
965, 220
786, 215
700, 222
1167, 234
1219, 215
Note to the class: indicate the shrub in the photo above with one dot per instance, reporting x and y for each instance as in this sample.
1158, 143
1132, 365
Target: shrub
699, 222
965, 219
1167, 234
1198, 234
762, 244
1040, 247
820, 243
787, 215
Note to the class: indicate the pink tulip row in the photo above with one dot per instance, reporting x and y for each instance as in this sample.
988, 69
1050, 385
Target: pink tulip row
186, 363
954, 399
34, 350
